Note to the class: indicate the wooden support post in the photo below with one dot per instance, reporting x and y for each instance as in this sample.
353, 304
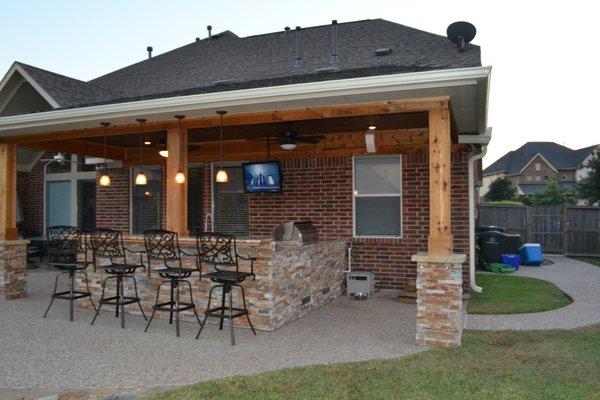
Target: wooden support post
440, 234
8, 192
177, 140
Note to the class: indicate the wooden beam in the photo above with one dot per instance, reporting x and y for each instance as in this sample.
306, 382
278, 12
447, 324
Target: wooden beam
177, 192
440, 234
307, 113
8, 192
81, 147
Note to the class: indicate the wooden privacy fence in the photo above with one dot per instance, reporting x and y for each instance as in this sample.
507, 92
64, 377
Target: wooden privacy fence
565, 230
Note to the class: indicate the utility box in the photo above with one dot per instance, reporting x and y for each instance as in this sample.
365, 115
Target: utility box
360, 282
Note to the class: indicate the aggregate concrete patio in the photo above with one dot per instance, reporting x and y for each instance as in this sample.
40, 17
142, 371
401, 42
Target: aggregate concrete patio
56, 353
579, 280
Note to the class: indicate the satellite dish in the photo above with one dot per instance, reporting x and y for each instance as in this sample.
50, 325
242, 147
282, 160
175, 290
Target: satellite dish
460, 33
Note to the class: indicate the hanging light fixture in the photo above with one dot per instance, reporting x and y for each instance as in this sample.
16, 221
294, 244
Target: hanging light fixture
104, 178
221, 176
140, 178
180, 176
164, 153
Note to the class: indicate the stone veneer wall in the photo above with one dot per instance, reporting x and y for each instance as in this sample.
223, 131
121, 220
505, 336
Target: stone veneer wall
13, 269
291, 280
439, 299
320, 189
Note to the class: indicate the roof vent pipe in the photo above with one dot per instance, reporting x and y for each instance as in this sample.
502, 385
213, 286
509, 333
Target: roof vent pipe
286, 31
149, 50
209, 28
334, 55
299, 61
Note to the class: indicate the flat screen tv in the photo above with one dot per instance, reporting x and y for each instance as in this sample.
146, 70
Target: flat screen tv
262, 177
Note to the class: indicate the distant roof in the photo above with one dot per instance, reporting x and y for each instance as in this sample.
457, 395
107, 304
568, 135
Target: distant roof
560, 157
228, 62
529, 188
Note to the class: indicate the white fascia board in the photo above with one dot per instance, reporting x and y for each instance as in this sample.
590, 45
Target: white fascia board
17, 68
482, 138
256, 96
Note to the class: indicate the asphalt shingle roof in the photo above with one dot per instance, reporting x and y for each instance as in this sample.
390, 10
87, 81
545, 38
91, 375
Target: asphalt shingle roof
560, 157
265, 60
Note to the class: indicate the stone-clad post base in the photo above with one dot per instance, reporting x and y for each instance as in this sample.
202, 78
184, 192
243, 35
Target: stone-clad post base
439, 299
13, 269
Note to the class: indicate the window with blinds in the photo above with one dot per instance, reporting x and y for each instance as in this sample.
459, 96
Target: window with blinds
145, 200
195, 211
231, 211
378, 196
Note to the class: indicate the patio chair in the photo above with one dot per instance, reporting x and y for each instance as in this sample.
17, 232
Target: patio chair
108, 244
64, 243
162, 247
220, 251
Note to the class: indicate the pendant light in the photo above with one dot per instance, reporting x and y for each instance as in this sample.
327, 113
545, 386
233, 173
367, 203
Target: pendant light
180, 176
104, 178
221, 176
140, 178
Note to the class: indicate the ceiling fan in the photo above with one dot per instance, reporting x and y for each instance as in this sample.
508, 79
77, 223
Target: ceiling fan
289, 138
58, 158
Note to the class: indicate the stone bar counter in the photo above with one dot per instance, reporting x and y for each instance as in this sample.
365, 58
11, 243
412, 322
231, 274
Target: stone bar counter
291, 280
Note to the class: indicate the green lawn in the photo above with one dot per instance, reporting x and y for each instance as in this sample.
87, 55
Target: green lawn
591, 260
490, 365
507, 294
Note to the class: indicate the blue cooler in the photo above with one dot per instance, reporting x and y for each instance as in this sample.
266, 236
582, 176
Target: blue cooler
531, 254
511, 259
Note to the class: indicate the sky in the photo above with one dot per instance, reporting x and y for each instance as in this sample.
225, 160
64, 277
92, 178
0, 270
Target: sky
543, 54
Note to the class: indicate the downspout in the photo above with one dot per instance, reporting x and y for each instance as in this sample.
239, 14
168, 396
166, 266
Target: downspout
483, 140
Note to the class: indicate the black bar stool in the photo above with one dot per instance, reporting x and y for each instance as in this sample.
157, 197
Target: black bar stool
64, 243
220, 251
108, 244
163, 247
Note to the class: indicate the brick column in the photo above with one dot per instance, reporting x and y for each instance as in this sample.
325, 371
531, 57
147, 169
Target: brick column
13, 269
439, 299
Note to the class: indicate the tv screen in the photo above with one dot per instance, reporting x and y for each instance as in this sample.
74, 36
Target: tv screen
262, 177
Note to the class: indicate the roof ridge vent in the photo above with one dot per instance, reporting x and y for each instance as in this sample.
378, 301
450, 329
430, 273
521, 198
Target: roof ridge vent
299, 62
383, 51
334, 55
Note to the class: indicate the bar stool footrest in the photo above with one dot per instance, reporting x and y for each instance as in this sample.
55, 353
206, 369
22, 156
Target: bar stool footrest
168, 306
216, 312
77, 294
125, 300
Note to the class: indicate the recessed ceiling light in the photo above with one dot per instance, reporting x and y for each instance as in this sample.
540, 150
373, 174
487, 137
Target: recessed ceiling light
147, 142
372, 127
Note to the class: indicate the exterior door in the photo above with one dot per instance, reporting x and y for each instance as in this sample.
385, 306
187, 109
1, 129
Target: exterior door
58, 203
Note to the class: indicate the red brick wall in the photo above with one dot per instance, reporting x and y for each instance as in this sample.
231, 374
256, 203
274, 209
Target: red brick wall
30, 189
320, 189
112, 202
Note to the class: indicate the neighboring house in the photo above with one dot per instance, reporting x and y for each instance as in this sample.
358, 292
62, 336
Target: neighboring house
373, 188
532, 165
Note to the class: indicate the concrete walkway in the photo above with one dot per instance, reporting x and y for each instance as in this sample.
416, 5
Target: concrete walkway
56, 353
579, 280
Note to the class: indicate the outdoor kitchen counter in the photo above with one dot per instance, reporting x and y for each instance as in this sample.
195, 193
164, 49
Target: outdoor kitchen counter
291, 280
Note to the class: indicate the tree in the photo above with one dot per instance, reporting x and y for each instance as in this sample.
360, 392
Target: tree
553, 195
501, 189
589, 187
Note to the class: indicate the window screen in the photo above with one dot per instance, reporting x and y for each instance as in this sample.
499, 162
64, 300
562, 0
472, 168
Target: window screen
231, 203
378, 196
146, 200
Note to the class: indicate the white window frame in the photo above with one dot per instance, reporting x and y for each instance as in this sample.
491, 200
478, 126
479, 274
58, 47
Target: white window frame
72, 176
355, 195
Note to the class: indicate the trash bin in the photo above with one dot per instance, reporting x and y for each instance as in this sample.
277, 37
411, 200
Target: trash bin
492, 244
511, 259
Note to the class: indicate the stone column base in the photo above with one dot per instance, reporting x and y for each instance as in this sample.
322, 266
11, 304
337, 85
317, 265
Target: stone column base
13, 269
439, 299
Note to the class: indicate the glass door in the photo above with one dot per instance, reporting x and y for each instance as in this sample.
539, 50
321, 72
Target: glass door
58, 203
86, 204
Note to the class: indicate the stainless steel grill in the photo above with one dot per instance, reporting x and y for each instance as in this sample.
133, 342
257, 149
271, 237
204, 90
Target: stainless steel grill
295, 231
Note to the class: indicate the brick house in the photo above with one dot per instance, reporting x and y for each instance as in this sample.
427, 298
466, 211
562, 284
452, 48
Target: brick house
383, 148
532, 165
